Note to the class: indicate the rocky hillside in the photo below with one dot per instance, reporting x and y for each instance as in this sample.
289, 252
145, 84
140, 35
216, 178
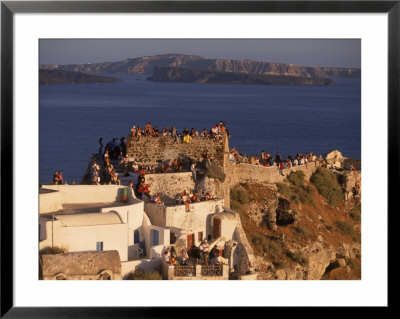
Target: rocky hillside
145, 65
172, 74
299, 230
67, 77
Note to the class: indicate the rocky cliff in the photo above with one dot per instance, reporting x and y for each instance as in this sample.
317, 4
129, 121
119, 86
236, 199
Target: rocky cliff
296, 234
67, 77
173, 74
145, 65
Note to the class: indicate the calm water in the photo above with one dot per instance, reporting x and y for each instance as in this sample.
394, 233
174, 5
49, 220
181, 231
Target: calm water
285, 119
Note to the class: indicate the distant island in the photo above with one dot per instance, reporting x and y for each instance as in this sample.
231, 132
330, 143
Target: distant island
68, 77
173, 74
146, 65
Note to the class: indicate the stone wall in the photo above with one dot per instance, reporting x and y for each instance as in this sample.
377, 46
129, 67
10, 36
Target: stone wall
241, 173
170, 184
150, 150
81, 266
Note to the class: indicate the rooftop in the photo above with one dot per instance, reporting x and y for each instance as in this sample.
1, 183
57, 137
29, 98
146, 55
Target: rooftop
84, 208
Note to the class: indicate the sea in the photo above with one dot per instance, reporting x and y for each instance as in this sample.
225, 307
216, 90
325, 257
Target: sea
285, 119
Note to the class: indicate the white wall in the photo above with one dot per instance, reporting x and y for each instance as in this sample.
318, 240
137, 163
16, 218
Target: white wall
164, 236
177, 217
75, 194
156, 214
49, 202
84, 238
196, 220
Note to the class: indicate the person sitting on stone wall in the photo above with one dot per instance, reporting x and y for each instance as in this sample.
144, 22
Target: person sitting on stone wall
281, 167
178, 138
166, 255
187, 138
165, 131
204, 134
175, 165
139, 132
196, 197
184, 258
162, 169
214, 253
180, 164
193, 133
173, 132
168, 166
147, 129
186, 201
204, 251
142, 190
155, 132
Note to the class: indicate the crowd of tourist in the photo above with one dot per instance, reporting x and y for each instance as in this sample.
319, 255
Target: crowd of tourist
267, 160
207, 255
216, 132
186, 198
113, 147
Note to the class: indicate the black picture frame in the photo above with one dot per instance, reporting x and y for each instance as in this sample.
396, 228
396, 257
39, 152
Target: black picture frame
9, 8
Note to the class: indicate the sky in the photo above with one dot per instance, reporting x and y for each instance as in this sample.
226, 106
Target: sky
307, 52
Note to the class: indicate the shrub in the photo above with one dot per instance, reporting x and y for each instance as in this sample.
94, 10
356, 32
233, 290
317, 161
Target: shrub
344, 228
235, 205
271, 248
284, 189
52, 250
327, 185
140, 275
297, 178
298, 257
303, 194
239, 194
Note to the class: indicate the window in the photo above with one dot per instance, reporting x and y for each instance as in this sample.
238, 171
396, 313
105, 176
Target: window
154, 237
200, 236
136, 237
99, 246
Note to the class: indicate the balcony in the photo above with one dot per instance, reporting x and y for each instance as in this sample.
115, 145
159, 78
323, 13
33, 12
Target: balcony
195, 272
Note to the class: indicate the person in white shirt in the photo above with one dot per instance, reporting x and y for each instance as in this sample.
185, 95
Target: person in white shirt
167, 255
204, 250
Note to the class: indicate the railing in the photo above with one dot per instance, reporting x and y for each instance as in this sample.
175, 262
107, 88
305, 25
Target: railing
185, 271
212, 270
